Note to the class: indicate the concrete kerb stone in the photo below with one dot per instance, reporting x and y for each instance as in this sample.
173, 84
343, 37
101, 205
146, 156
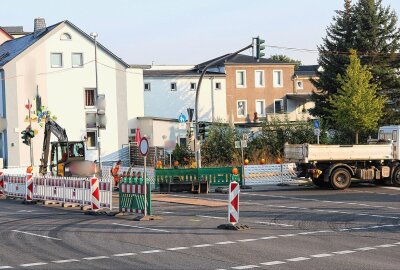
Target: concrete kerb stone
128, 216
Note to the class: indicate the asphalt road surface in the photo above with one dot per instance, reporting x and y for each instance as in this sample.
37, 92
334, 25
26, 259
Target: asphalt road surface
291, 228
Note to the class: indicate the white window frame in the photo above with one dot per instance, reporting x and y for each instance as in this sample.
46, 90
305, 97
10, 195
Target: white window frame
256, 79
95, 139
216, 85
263, 108
94, 98
65, 36
283, 105
195, 86
72, 60
244, 79
281, 78
144, 86
175, 88
51, 62
245, 108
297, 84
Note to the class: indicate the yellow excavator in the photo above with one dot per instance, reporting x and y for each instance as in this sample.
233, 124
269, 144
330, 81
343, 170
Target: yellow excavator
67, 158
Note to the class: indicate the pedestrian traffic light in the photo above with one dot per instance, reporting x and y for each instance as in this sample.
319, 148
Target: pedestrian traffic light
259, 47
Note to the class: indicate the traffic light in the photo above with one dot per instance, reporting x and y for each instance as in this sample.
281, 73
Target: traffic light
203, 130
27, 135
259, 47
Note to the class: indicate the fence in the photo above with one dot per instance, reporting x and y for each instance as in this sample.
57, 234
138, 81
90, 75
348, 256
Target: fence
220, 176
270, 174
132, 198
60, 189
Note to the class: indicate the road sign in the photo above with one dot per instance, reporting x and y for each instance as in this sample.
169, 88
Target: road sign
181, 118
316, 124
317, 132
144, 146
244, 143
237, 144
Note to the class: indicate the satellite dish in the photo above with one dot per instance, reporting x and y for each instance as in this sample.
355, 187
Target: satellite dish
3, 124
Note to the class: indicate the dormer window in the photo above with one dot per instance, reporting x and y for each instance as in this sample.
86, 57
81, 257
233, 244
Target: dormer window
65, 36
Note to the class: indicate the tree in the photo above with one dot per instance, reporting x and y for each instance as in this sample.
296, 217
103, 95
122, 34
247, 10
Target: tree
181, 154
372, 30
285, 59
333, 59
356, 106
219, 146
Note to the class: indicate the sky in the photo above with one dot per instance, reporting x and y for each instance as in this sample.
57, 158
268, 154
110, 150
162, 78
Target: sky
173, 32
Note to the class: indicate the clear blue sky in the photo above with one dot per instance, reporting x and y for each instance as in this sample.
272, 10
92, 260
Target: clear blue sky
187, 31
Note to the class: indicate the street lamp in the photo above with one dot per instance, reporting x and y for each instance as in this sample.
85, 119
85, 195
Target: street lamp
94, 35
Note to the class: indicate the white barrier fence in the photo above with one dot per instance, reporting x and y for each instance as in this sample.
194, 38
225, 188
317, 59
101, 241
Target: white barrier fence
270, 174
61, 189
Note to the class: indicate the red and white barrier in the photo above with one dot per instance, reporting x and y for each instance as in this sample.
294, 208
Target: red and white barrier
95, 193
14, 185
233, 208
1, 183
29, 187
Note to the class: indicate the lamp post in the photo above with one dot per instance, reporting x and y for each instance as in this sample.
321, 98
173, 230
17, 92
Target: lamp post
94, 35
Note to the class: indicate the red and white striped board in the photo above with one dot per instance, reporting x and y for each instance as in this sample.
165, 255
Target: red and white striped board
95, 193
1, 183
29, 187
233, 208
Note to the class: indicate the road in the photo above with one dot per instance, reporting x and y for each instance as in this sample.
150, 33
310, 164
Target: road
291, 228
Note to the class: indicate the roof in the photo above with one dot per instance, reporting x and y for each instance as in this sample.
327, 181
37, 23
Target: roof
309, 70
140, 66
5, 32
156, 118
12, 48
188, 72
13, 29
242, 59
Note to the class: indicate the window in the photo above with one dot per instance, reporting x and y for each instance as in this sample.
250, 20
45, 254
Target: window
183, 142
260, 107
89, 98
278, 106
259, 78
277, 78
299, 84
147, 86
77, 60
90, 120
65, 36
91, 139
173, 86
193, 86
56, 60
240, 78
217, 86
241, 108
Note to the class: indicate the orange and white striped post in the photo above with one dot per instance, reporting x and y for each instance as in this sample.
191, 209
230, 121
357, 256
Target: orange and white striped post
95, 193
233, 209
29, 187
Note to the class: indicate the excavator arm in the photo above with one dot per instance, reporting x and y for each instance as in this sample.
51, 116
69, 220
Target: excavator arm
50, 127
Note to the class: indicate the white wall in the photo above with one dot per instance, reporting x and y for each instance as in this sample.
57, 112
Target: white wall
160, 101
135, 98
62, 90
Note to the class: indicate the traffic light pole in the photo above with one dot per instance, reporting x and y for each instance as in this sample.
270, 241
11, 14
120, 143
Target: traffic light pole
30, 125
198, 155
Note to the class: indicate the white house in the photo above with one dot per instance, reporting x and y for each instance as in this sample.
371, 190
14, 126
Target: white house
170, 91
57, 64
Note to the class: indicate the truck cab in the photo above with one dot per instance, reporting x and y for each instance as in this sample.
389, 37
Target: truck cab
392, 133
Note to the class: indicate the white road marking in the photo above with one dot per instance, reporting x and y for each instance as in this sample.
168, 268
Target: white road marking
268, 237
225, 243
398, 243
32, 264
365, 248
287, 235
203, 245
152, 251
322, 255
248, 240
385, 246
138, 227
177, 248
211, 217
166, 212
66, 261
95, 258
344, 252
6, 267
38, 235
298, 259
246, 267
394, 188
124, 254
273, 263
277, 224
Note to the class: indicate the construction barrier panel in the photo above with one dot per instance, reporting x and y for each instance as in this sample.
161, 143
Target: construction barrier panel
29, 187
233, 206
219, 176
58, 189
1, 183
131, 196
270, 174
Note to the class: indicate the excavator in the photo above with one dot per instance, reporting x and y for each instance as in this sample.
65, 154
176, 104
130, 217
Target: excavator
67, 158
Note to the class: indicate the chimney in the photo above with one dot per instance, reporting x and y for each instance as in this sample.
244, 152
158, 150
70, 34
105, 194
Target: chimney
39, 26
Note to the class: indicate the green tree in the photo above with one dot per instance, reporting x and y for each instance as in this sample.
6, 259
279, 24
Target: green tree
371, 29
356, 106
285, 59
181, 154
219, 147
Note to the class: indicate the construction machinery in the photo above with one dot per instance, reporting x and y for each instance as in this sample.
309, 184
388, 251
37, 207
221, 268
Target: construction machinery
67, 158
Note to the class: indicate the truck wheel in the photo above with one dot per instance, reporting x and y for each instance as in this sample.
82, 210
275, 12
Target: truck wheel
396, 177
340, 178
